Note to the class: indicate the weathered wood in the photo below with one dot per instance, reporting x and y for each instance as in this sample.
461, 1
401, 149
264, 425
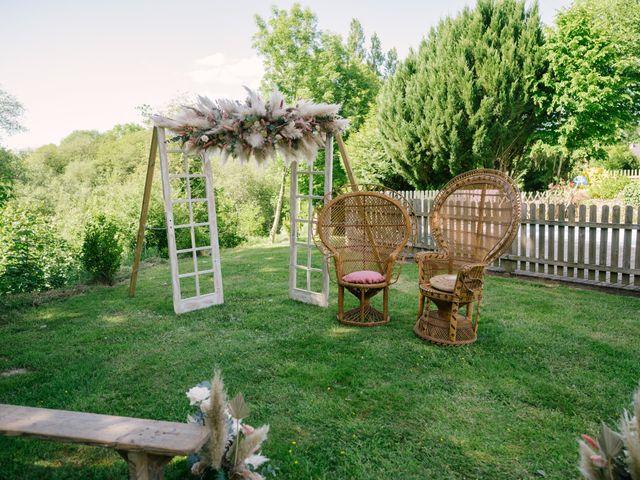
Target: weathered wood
144, 211
143, 466
615, 244
152, 437
582, 215
626, 246
541, 238
604, 242
593, 214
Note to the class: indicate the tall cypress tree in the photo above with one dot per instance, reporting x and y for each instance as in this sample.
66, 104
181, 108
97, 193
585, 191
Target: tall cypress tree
463, 100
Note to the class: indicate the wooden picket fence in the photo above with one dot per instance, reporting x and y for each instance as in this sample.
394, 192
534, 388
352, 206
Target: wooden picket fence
633, 174
596, 245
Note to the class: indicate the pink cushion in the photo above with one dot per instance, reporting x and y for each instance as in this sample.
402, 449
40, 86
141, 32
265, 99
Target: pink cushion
364, 276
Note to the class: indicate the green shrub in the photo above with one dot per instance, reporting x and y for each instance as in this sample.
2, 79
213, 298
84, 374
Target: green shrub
101, 249
631, 194
32, 257
603, 185
228, 217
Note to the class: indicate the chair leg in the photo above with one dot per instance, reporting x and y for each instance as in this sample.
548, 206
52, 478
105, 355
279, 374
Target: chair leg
363, 304
475, 327
420, 305
385, 304
453, 323
340, 302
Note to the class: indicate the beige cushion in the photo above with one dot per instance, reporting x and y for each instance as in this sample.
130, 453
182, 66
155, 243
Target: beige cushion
445, 283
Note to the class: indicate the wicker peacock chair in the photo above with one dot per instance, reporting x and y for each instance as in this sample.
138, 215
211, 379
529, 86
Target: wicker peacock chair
473, 220
364, 232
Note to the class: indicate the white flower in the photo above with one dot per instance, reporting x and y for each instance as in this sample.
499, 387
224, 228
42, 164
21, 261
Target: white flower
255, 139
256, 460
205, 405
204, 139
198, 395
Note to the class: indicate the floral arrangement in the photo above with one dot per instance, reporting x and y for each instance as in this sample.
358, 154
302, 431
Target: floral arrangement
233, 449
255, 128
613, 456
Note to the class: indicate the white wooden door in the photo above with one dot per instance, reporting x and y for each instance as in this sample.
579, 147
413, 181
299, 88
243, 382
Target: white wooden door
192, 230
308, 272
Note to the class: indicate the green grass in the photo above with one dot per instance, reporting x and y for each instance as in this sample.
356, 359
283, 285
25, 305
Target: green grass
343, 403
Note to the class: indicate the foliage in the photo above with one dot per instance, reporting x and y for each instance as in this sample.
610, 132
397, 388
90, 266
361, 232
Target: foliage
631, 194
10, 112
528, 381
32, 257
603, 185
9, 172
590, 93
105, 172
613, 456
101, 252
464, 99
303, 61
369, 161
619, 157
228, 216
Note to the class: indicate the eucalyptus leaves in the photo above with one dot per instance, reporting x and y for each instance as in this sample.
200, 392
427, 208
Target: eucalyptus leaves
255, 128
232, 452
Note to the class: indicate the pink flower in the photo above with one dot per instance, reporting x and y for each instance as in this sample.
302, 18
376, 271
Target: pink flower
247, 429
591, 442
598, 461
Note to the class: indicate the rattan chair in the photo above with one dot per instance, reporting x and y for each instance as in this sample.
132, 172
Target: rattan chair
364, 233
473, 220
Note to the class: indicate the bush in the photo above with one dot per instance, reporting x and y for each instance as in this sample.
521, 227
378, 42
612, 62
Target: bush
228, 217
101, 249
32, 257
631, 194
603, 185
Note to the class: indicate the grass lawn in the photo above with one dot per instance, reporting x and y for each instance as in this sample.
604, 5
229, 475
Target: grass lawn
343, 403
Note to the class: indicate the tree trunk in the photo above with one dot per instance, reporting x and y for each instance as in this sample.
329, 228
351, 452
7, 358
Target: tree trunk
276, 218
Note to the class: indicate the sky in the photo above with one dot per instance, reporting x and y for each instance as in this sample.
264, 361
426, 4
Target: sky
87, 64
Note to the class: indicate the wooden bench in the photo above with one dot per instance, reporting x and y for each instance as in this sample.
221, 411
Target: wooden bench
146, 445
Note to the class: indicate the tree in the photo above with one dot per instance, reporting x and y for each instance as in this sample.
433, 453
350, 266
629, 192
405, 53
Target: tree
302, 61
10, 112
368, 159
464, 99
591, 90
356, 40
9, 171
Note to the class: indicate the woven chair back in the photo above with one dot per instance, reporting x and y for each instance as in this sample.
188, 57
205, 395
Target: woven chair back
362, 230
476, 216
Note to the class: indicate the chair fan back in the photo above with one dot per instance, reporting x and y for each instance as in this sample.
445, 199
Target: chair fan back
476, 216
363, 229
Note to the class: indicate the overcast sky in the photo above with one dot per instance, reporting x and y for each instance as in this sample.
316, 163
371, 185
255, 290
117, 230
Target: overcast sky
86, 64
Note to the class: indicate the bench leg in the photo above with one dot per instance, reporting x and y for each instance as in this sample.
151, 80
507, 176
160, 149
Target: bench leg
145, 466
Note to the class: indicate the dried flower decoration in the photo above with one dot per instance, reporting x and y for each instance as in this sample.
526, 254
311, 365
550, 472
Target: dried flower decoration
256, 128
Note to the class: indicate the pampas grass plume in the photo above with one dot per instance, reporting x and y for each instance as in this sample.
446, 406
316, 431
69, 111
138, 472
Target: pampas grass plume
251, 443
217, 422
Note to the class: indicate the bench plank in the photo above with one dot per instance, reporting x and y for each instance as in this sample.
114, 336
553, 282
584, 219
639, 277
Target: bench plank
121, 433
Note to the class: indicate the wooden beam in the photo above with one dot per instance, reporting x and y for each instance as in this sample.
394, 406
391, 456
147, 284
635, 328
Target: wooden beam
144, 212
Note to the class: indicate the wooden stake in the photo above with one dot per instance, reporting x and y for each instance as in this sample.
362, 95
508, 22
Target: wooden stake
346, 161
354, 187
144, 211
